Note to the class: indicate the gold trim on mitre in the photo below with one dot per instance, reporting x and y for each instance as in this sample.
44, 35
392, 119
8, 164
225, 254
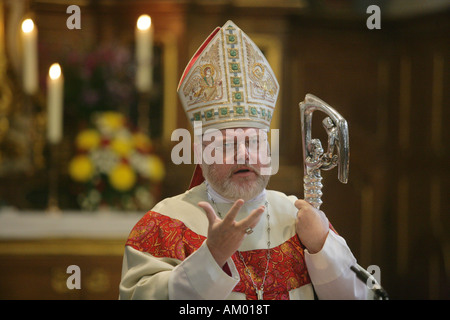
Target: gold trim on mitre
228, 83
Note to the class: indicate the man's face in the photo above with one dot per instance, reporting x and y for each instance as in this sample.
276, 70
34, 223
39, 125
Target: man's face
239, 174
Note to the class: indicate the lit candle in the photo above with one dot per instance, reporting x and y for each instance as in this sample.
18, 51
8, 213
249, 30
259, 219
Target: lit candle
55, 96
144, 53
30, 61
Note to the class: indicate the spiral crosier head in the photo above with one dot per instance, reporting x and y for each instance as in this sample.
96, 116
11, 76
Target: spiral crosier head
314, 157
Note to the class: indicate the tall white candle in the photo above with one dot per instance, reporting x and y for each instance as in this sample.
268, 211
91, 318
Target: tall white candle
55, 97
144, 53
30, 60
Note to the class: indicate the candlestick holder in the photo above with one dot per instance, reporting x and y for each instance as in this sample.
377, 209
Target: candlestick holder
144, 112
53, 203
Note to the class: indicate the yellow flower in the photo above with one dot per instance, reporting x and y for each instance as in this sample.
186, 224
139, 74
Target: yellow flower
81, 168
112, 120
156, 168
122, 177
142, 142
122, 146
88, 139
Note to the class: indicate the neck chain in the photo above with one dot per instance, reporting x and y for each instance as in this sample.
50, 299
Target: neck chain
260, 291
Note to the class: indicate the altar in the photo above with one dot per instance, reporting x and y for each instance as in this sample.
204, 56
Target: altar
36, 249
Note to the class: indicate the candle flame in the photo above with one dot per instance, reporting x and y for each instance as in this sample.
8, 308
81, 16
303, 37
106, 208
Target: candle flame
54, 71
144, 22
27, 25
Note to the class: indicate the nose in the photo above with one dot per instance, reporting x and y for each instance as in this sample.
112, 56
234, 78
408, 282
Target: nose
242, 153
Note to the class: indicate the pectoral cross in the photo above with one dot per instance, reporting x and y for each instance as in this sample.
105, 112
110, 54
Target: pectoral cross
260, 294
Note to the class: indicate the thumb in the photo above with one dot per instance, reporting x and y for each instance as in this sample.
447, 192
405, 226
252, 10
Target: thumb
210, 213
300, 204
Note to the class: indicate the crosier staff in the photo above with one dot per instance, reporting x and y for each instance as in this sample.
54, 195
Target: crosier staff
316, 159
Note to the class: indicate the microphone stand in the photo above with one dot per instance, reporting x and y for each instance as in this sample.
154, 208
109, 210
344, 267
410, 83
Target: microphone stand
376, 288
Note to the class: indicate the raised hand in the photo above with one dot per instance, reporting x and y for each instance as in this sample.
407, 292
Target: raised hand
225, 236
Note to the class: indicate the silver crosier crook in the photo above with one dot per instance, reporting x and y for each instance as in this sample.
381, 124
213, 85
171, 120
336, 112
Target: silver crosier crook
315, 158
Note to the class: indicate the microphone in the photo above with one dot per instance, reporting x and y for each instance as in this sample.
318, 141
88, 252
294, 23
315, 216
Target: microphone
364, 275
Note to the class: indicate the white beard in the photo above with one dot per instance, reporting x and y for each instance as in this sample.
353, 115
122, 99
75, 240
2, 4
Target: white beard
246, 190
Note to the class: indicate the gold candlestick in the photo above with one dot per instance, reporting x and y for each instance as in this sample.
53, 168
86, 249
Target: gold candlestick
53, 203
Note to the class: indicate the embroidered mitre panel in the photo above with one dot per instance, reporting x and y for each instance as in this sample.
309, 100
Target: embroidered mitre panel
204, 83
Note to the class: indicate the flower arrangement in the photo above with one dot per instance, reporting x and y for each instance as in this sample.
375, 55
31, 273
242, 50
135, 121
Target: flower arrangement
116, 167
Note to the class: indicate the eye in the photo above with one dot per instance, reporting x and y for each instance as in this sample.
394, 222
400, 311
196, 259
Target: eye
228, 145
223, 146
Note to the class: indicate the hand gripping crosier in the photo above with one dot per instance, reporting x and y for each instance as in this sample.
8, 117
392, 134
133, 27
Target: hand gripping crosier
314, 157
